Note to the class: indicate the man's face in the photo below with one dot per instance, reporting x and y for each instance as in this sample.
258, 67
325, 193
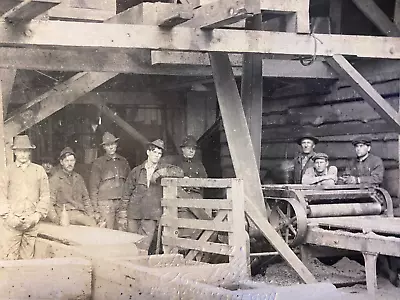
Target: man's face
362, 149
47, 167
68, 163
110, 148
320, 165
307, 146
188, 152
22, 155
154, 155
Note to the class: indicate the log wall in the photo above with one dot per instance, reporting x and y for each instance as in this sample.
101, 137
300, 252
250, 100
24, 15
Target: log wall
336, 117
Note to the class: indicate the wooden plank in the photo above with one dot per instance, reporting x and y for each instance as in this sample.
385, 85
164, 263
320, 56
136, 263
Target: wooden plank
175, 19
372, 11
114, 36
335, 15
221, 13
206, 235
286, 6
53, 100
28, 10
198, 182
197, 245
236, 129
198, 203
3, 154
362, 242
171, 231
71, 279
252, 91
7, 78
197, 224
396, 15
366, 90
121, 123
63, 12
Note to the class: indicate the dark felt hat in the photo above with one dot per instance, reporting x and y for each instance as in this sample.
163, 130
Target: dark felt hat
158, 143
320, 156
189, 141
64, 152
366, 140
308, 136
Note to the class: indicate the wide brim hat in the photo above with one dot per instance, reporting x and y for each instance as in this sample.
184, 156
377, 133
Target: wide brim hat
189, 141
22, 142
308, 136
366, 140
158, 143
109, 138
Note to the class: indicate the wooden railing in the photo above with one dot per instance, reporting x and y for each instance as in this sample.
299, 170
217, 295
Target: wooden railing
213, 215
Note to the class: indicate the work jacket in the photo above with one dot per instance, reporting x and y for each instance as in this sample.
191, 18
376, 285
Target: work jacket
369, 170
298, 170
144, 202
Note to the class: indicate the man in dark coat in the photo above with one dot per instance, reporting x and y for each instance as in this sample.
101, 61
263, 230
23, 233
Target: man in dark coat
366, 168
142, 193
304, 160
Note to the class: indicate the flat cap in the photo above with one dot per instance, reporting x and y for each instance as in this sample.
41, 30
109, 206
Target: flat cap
189, 141
320, 155
158, 143
308, 136
64, 152
366, 140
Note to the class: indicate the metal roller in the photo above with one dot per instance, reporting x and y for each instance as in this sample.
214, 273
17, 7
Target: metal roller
344, 209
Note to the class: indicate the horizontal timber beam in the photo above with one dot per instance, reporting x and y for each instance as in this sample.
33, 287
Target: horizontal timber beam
28, 10
127, 37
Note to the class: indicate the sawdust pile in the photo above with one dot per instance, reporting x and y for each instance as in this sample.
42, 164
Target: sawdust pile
341, 272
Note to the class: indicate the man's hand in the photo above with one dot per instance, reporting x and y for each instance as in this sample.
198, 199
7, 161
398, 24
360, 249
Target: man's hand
13, 221
32, 220
350, 180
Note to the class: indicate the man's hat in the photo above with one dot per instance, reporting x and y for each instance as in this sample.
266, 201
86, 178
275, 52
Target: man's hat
362, 140
158, 143
65, 152
22, 142
189, 141
320, 156
308, 136
108, 138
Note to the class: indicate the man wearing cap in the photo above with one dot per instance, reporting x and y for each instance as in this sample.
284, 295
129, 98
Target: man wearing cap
366, 168
321, 173
143, 192
48, 165
107, 179
68, 188
26, 201
304, 160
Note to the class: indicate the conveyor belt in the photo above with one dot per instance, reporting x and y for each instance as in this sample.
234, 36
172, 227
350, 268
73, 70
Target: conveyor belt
377, 224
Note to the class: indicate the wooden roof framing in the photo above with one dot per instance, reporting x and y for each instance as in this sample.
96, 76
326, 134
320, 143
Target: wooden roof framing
117, 42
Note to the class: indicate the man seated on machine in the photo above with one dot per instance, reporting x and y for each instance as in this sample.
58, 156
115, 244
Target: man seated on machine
366, 168
320, 173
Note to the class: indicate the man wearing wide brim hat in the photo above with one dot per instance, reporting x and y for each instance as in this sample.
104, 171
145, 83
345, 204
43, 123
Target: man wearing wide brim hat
143, 192
28, 199
303, 161
321, 173
106, 182
366, 168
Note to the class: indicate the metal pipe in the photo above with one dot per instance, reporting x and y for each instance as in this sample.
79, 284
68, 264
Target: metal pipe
344, 209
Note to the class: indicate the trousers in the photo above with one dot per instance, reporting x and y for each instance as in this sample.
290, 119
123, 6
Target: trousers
146, 228
110, 211
16, 244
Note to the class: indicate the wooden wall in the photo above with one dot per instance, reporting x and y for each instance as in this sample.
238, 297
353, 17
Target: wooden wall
336, 117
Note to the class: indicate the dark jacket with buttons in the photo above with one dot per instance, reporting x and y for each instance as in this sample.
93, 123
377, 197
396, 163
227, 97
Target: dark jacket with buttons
370, 170
298, 170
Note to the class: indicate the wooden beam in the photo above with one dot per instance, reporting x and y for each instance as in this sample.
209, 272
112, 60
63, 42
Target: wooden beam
221, 13
62, 12
372, 11
252, 91
53, 100
172, 15
366, 90
335, 15
28, 10
126, 37
396, 15
7, 77
121, 123
3, 154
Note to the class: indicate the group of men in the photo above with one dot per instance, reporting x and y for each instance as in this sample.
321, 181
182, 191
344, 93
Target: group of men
313, 168
117, 198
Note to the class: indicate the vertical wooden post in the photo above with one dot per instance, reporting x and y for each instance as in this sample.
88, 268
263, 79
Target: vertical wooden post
396, 16
252, 91
171, 192
370, 271
7, 77
2, 138
335, 15
237, 238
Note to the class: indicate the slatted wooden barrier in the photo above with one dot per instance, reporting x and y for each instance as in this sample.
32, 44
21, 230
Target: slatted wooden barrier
227, 216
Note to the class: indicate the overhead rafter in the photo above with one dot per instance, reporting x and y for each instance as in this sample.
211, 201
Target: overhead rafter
28, 10
126, 37
365, 89
372, 11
